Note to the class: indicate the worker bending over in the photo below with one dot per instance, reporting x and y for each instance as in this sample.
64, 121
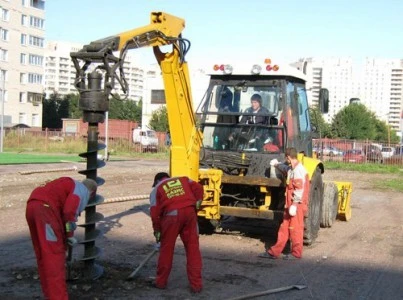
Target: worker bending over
174, 202
51, 213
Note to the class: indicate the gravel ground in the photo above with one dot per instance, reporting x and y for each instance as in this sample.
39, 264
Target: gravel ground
359, 259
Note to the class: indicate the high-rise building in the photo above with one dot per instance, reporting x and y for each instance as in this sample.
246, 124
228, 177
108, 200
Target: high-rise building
22, 31
60, 73
377, 83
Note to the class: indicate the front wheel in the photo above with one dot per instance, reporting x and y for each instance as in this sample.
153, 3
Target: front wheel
312, 221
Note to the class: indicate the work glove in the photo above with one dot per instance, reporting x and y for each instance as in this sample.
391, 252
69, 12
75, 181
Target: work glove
157, 236
274, 162
71, 241
198, 204
71, 226
293, 210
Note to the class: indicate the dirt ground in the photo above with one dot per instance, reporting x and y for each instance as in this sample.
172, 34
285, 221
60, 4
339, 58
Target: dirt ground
359, 259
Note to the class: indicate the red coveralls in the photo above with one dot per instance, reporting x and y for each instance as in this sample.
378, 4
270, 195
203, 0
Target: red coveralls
173, 213
50, 209
293, 227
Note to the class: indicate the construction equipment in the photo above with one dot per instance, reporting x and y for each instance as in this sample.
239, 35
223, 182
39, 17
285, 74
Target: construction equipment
234, 171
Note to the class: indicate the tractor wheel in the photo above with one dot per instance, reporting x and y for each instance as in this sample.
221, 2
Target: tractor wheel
312, 221
207, 226
330, 204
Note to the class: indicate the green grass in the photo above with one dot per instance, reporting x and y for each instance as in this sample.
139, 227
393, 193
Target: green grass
24, 158
364, 168
391, 184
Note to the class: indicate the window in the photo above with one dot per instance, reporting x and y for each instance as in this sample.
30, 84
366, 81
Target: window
5, 15
23, 78
24, 20
35, 120
35, 60
35, 98
4, 34
3, 75
39, 4
36, 22
22, 118
23, 39
23, 97
3, 55
24, 3
23, 58
35, 78
36, 41
157, 97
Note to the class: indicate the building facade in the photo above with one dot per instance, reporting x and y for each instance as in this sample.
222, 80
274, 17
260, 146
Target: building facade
60, 73
22, 58
377, 83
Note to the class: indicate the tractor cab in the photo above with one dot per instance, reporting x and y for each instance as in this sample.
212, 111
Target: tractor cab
255, 110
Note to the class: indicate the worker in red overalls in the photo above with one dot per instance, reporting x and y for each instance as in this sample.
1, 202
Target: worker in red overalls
51, 213
173, 205
296, 207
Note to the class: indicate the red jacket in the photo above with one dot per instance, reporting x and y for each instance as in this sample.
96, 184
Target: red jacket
66, 196
171, 194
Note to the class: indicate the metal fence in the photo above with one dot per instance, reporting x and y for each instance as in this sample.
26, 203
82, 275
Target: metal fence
325, 149
357, 151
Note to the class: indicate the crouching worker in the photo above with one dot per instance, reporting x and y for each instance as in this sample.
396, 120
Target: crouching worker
51, 213
173, 205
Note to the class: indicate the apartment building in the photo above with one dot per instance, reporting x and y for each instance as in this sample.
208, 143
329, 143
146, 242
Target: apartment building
60, 73
22, 31
378, 83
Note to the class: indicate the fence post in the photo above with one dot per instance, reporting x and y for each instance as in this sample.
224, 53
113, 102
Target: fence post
46, 139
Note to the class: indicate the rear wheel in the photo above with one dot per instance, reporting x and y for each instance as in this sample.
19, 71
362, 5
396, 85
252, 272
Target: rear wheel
312, 221
330, 204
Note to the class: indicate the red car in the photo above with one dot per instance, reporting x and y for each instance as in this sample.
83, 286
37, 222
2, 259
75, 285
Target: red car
354, 156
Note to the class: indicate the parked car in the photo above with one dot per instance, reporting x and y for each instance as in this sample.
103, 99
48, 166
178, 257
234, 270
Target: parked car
373, 153
354, 156
328, 151
387, 152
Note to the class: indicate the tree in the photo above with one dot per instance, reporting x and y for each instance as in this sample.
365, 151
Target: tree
354, 121
125, 109
318, 122
74, 110
54, 109
159, 119
384, 133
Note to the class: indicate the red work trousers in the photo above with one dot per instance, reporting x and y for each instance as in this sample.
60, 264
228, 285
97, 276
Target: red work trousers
185, 225
47, 234
291, 228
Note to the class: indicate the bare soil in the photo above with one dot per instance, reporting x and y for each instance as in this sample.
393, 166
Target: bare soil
359, 259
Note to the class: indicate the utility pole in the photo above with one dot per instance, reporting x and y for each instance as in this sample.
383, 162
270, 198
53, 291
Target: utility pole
2, 92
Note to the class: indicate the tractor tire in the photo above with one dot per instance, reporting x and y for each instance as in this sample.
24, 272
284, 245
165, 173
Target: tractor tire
330, 204
312, 221
206, 226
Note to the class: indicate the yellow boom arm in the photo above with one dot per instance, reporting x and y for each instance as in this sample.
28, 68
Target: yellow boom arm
164, 29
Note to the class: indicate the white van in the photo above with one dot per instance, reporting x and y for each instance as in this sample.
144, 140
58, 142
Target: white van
147, 138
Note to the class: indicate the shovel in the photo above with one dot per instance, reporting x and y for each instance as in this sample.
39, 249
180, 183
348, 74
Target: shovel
272, 291
149, 256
